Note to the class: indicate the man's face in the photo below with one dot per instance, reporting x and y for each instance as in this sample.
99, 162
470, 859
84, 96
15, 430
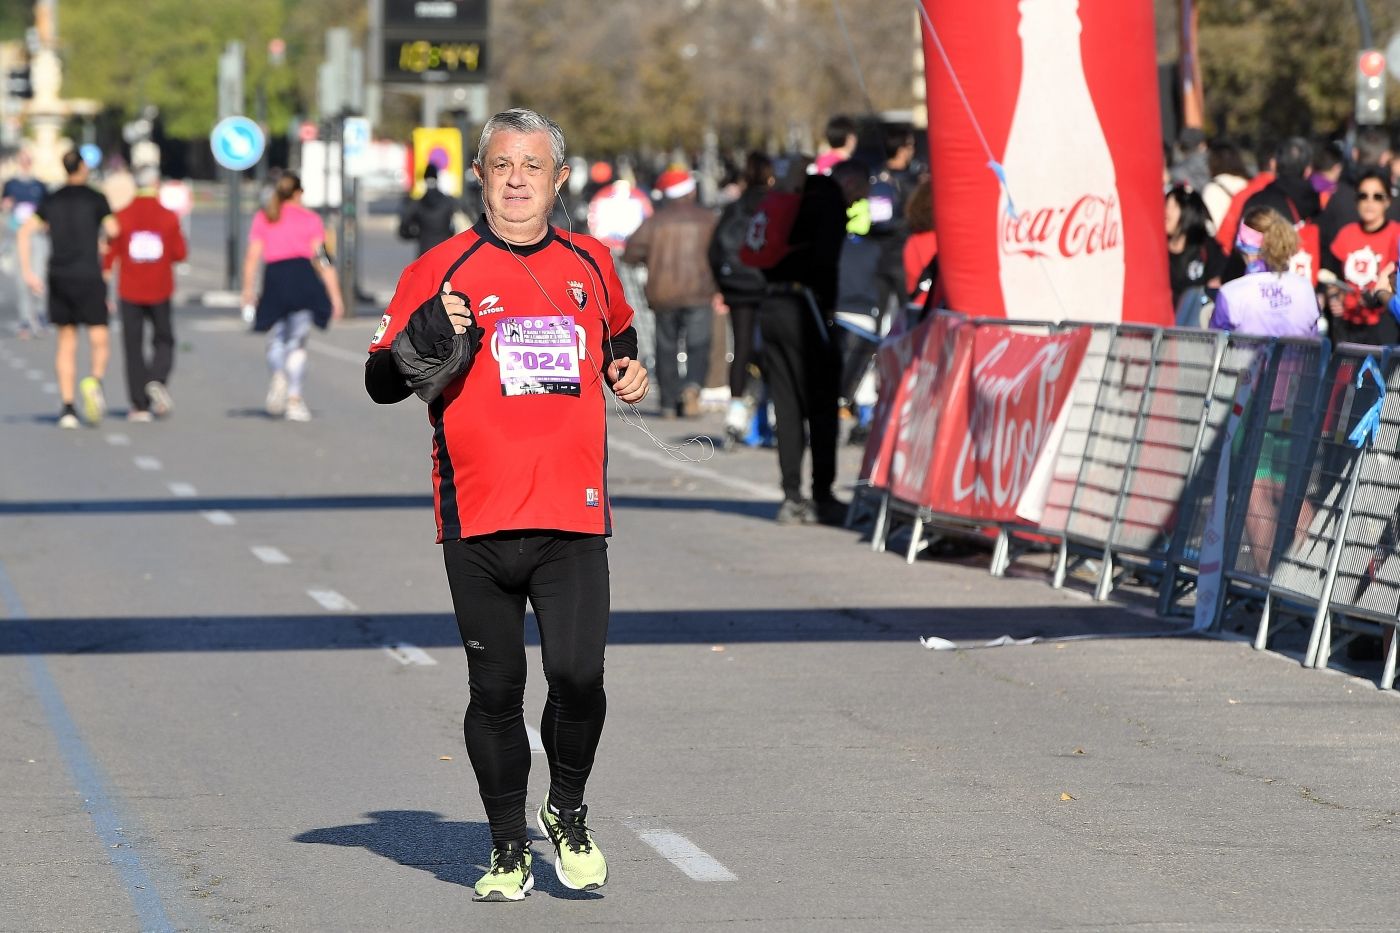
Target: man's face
518, 179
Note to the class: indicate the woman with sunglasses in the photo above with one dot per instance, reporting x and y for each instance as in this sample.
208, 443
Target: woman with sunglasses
1362, 258
299, 289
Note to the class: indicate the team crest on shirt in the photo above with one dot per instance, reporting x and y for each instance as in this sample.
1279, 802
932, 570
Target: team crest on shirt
379, 332
579, 296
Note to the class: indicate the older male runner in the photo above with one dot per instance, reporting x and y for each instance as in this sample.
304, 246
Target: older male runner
509, 331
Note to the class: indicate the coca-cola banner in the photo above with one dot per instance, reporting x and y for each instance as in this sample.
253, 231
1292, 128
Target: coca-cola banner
1059, 99
999, 426
935, 382
892, 361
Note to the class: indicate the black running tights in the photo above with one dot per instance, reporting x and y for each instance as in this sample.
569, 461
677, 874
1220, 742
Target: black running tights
565, 578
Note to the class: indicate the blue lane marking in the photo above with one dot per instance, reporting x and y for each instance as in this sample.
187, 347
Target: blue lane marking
87, 776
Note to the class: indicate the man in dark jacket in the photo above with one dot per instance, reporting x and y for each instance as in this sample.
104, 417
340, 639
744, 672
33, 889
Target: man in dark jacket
428, 219
799, 361
1290, 194
673, 244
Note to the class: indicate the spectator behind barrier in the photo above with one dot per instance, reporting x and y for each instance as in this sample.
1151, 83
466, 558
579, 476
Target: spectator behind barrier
1268, 299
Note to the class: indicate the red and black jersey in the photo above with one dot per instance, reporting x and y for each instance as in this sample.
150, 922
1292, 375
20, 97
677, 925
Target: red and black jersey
520, 441
1361, 258
148, 244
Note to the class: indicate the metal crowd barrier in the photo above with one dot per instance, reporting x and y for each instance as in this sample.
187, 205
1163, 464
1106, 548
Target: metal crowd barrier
1064, 475
1240, 356
1311, 521
1117, 424
1268, 489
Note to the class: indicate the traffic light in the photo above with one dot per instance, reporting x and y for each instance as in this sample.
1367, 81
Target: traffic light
1370, 87
17, 83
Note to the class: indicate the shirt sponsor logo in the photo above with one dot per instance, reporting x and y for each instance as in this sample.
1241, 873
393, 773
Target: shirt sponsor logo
489, 305
591, 497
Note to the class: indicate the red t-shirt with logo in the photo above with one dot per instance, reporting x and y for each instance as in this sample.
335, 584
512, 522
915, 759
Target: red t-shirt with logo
1363, 257
520, 442
148, 244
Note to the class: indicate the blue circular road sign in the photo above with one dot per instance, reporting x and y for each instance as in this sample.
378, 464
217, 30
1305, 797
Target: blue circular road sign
237, 143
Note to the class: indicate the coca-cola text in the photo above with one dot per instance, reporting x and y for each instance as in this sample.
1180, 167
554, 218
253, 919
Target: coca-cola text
1090, 225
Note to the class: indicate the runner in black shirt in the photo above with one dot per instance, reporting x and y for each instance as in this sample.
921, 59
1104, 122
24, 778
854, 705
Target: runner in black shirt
76, 217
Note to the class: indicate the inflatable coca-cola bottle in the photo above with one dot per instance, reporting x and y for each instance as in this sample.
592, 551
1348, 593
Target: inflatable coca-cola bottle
1061, 255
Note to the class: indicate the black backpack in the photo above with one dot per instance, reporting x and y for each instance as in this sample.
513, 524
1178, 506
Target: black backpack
731, 275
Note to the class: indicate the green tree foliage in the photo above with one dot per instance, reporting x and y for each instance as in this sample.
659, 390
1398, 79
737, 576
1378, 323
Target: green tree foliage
1274, 68
656, 74
618, 74
165, 52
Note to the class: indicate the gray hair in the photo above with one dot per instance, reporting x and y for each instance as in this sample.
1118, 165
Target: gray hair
523, 120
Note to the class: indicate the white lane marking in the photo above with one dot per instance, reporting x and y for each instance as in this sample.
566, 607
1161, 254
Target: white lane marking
118, 440
335, 352
182, 490
49, 388
536, 743
684, 854
269, 554
330, 599
405, 653
33, 374
16, 363
733, 482
218, 517
146, 463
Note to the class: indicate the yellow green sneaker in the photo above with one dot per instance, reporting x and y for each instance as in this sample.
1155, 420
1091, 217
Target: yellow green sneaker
509, 878
94, 404
578, 862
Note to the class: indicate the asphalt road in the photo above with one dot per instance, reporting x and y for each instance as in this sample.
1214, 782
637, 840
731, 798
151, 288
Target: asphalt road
233, 697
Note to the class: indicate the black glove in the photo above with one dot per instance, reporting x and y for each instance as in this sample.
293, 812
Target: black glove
430, 353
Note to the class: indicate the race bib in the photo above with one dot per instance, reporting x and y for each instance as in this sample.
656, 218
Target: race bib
146, 246
538, 355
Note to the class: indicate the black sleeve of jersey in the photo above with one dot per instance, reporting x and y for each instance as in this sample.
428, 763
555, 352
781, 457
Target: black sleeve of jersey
623, 344
385, 384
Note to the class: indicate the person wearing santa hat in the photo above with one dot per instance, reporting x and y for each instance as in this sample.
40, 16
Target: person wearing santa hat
674, 246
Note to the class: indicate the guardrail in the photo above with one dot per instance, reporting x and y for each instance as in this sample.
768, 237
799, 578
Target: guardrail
1234, 473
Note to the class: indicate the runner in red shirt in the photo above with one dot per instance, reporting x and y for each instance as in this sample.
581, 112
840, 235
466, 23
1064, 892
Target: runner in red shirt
512, 332
1362, 259
148, 244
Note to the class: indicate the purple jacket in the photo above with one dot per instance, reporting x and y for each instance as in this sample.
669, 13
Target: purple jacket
1271, 304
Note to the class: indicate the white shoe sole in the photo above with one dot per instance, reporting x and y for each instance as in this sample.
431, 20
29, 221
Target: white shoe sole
558, 861
501, 897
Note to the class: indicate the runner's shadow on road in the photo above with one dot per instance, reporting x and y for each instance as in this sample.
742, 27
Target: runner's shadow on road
253, 414
453, 852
